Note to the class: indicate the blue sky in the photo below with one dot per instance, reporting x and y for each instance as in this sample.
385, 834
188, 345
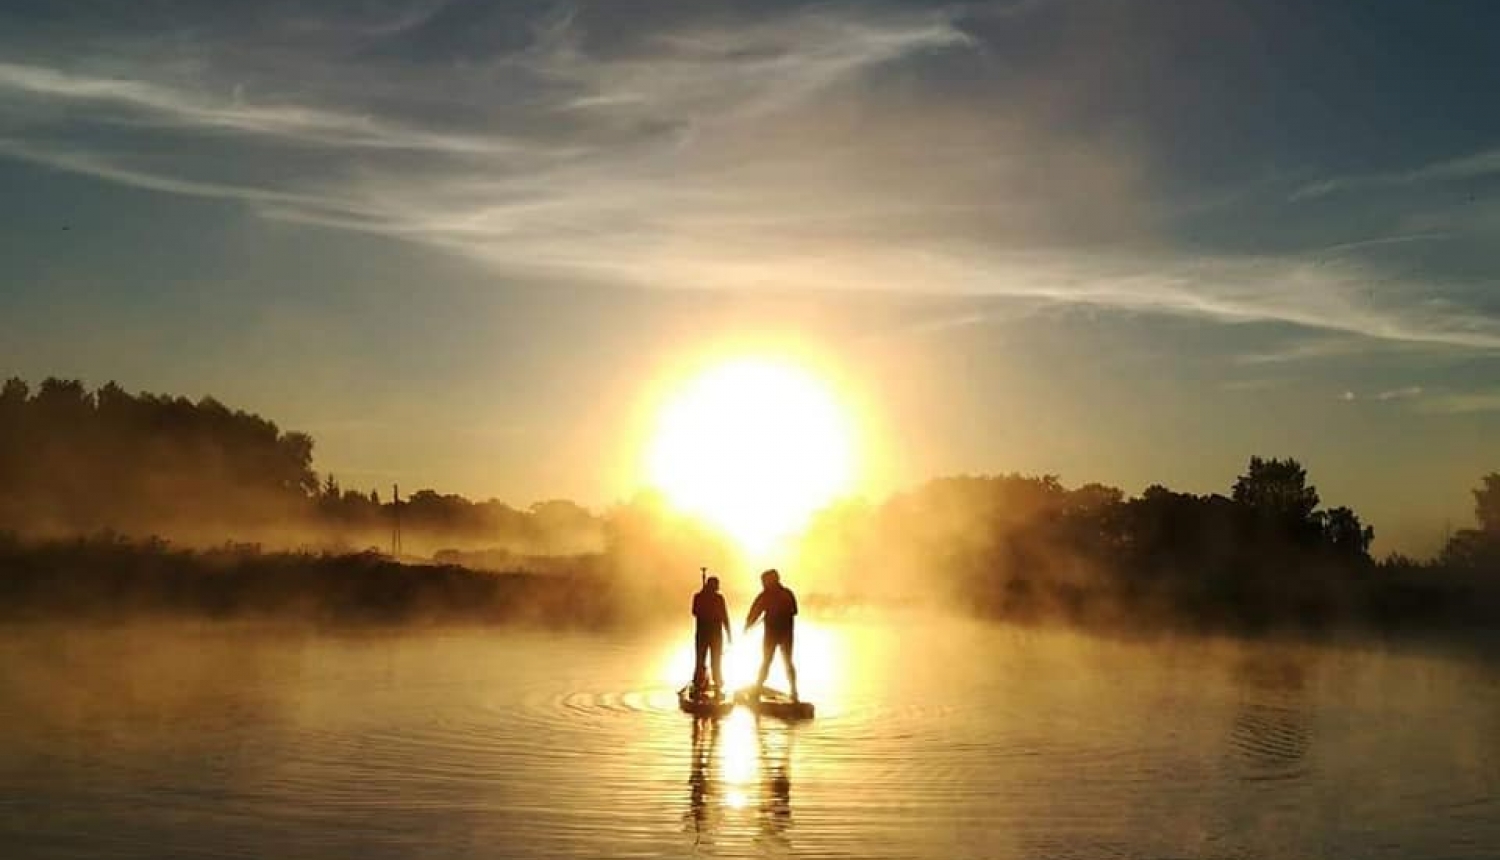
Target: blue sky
1128, 242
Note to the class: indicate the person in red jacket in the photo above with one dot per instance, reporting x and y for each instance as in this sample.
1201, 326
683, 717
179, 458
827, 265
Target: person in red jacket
779, 606
712, 616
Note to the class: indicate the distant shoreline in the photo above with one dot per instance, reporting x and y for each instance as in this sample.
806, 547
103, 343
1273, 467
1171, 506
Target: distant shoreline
108, 578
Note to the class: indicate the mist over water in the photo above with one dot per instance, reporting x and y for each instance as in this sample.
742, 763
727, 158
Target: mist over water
934, 737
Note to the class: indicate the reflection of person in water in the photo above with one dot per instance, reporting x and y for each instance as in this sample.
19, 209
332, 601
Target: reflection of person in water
779, 605
775, 754
701, 780
721, 803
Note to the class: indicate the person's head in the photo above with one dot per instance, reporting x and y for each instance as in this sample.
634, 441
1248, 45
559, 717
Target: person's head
770, 578
711, 585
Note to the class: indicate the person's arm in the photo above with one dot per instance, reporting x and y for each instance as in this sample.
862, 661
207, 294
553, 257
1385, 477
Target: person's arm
724, 617
756, 610
793, 596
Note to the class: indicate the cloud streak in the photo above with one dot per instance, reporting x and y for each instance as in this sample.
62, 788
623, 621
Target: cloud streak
726, 75
1463, 403
1479, 165
195, 111
1405, 393
90, 165
710, 154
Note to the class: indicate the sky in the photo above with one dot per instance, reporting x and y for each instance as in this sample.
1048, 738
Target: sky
1127, 242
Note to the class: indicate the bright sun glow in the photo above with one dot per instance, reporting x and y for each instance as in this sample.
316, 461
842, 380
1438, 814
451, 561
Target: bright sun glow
754, 446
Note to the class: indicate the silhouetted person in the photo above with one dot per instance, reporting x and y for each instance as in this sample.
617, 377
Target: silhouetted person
779, 605
712, 628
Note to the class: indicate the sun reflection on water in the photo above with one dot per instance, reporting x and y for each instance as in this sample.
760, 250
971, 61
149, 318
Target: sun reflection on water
740, 778
741, 768
737, 753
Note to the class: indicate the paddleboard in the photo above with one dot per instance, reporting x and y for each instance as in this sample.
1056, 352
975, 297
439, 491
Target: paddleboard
773, 703
706, 703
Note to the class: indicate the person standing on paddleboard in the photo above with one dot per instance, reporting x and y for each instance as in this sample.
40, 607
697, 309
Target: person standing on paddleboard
712, 616
779, 605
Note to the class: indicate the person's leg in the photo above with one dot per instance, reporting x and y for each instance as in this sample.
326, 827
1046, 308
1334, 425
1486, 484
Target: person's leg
767, 651
700, 651
716, 650
791, 670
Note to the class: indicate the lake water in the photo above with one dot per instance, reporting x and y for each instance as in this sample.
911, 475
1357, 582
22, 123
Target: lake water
933, 739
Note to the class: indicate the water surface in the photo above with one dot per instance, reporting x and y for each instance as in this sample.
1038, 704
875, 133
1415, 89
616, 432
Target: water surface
933, 739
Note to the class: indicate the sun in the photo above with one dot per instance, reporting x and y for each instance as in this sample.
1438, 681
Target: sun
754, 446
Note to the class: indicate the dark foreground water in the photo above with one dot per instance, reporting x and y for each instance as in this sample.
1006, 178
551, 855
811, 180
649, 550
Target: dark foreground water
934, 739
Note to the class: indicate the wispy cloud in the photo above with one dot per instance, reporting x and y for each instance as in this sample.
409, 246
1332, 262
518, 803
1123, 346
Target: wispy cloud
728, 74
1461, 403
1405, 393
704, 154
1378, 242
1255, 384
99, 167
1408, 392
1309, 349
1478, 165
231, 112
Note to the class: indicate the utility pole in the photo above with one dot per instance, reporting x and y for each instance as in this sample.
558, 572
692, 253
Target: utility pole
395, 521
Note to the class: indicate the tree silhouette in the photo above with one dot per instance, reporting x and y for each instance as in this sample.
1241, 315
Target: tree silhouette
76, 460
1345, 533
1475, 550
1487, 504
1277, 489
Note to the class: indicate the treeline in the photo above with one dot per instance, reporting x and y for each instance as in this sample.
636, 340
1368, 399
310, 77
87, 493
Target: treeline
430, 521
1264, 556
1475, 550
76, 461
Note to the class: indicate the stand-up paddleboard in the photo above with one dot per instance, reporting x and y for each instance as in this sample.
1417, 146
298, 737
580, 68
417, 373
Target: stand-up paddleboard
773, 703
703, 703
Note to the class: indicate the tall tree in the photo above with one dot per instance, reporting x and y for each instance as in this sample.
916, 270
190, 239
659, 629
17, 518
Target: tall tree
1277, 489
1345, 533
1487, 504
